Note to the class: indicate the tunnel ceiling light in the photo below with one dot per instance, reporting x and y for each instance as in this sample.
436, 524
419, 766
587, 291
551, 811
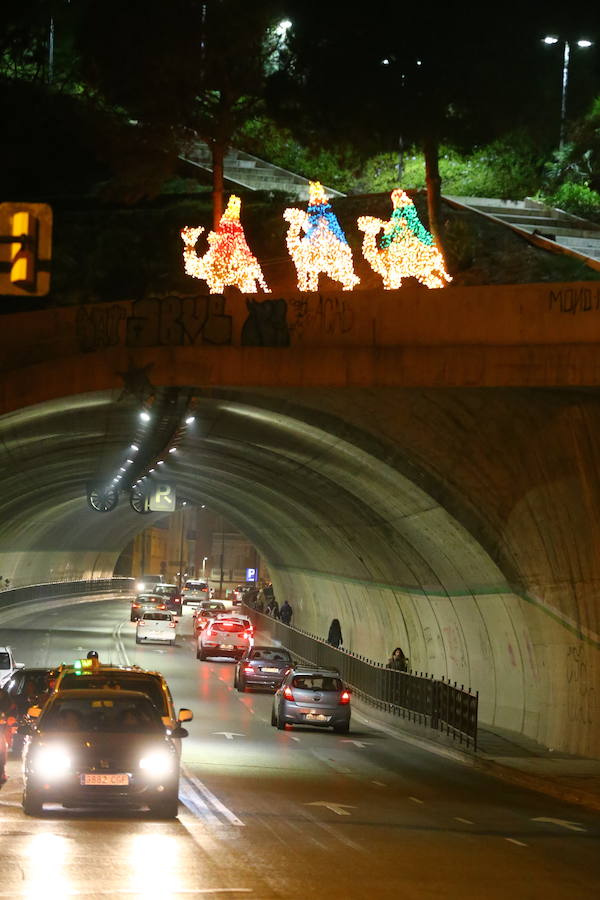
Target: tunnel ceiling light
173, 450
129, 461
152, 470
134, 447
161, 462
190, 419
144, 416
122, 469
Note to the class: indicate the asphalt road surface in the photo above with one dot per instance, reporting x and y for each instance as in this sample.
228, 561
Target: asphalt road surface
301, 814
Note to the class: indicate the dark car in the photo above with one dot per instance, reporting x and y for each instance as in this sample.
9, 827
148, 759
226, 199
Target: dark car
101, 748
26, 687
145, 603
263, 667
171, 595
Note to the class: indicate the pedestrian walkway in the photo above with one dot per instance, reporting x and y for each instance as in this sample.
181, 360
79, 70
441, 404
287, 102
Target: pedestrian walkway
507, 755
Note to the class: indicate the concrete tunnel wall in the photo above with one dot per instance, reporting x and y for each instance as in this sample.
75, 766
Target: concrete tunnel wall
459, 524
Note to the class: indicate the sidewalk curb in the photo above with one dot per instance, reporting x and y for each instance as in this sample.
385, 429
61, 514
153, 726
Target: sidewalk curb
489, 766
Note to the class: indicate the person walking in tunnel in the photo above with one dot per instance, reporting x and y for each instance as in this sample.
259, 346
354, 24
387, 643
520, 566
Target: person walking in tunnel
6, 710
286, 612
398, 660
335, 634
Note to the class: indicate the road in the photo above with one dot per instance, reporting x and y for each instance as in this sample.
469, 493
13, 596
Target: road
300, 814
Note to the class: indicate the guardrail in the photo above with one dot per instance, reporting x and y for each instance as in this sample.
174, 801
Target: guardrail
11, 597
433, 702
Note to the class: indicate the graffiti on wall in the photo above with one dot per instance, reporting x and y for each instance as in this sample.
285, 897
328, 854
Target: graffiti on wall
171, 321
329, 315
581, 696
574, 300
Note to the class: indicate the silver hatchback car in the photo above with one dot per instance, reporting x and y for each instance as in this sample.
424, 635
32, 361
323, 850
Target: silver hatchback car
312, 696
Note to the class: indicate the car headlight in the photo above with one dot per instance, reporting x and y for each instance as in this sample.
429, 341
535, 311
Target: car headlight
52, 762
157, 764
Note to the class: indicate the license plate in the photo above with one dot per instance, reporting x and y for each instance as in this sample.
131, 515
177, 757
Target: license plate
106, 779
269, 670
226, 646
316, 717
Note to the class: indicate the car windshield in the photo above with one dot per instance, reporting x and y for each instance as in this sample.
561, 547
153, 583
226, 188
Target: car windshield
316, 683
102, 714
271, 654
125, 681
4, 660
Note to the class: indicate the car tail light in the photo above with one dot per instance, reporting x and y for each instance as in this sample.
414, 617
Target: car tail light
141, 623
136, 605
171, 624
161, 606
248, 634
249, 670
344, 697
288, 693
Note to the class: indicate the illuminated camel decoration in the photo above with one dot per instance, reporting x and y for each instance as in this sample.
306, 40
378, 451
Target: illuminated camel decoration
228, 260
406, 249
323, 248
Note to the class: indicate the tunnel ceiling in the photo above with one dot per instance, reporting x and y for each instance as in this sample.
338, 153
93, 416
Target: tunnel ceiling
427, 489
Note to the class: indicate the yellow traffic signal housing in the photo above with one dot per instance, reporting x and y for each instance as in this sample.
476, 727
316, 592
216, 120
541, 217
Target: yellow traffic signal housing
25, 248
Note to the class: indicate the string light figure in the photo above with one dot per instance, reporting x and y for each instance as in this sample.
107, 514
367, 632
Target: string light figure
323, 247
406, 249
228, 260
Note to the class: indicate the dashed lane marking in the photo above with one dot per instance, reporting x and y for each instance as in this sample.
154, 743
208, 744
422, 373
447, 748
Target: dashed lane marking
416, 800
378, 783
518, 843
464, 821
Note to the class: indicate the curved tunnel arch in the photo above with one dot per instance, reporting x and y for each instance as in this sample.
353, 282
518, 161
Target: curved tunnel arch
436, 519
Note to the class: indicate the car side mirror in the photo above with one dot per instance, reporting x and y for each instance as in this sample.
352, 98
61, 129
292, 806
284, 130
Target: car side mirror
34, 712
19, 665
185, 715
179, 732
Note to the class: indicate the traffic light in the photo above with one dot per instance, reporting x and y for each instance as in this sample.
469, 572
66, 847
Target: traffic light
25, 248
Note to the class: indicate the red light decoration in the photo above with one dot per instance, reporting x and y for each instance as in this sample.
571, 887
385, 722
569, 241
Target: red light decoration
406, 249
228, 260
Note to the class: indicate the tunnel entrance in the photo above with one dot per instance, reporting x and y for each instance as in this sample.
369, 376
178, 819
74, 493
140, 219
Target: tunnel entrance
459, 524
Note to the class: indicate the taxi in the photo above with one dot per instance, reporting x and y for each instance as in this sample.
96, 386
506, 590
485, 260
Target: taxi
92, 674
100, 747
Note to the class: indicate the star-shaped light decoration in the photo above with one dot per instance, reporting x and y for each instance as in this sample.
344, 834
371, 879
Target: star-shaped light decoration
137, 384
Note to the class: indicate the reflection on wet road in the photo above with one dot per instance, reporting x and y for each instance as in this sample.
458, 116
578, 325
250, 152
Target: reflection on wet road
299, 814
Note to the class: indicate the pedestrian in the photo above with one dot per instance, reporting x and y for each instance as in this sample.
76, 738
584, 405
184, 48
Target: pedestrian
286, 612
335, 634
275, 608
6, 709
397, 660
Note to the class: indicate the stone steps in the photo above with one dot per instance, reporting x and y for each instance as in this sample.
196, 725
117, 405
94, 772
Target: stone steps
250, 172
529, 215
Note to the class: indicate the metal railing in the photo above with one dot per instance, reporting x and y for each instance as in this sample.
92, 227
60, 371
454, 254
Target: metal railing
11, 597
433, 702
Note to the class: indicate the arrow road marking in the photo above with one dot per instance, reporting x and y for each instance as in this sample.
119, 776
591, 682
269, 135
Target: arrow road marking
338, 808
564, 823
229, 734
358, 743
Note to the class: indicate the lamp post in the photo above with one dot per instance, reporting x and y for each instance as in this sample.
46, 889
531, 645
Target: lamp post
204, 558
584, 44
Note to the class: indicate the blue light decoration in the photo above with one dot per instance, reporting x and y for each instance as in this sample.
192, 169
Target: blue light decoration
323, 248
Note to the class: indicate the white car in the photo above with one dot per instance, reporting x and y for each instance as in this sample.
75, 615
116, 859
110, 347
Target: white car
195, 592
156, 626
8, 664
227, 635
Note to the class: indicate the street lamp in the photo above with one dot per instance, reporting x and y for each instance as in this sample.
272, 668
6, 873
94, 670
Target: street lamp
584, 44
204, 558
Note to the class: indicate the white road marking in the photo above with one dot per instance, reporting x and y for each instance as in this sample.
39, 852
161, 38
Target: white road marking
124, 892
119, 642
518, 843
231, 817
464, 821
292, 738
416, 800
357, 743
196, 805
339, 809
229, 734
378, 783
564, 823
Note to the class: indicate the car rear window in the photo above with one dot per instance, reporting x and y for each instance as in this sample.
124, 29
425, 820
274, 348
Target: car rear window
229, 627
271, 655
317, 683
102, 714
126, 681
4, 660
157, 617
